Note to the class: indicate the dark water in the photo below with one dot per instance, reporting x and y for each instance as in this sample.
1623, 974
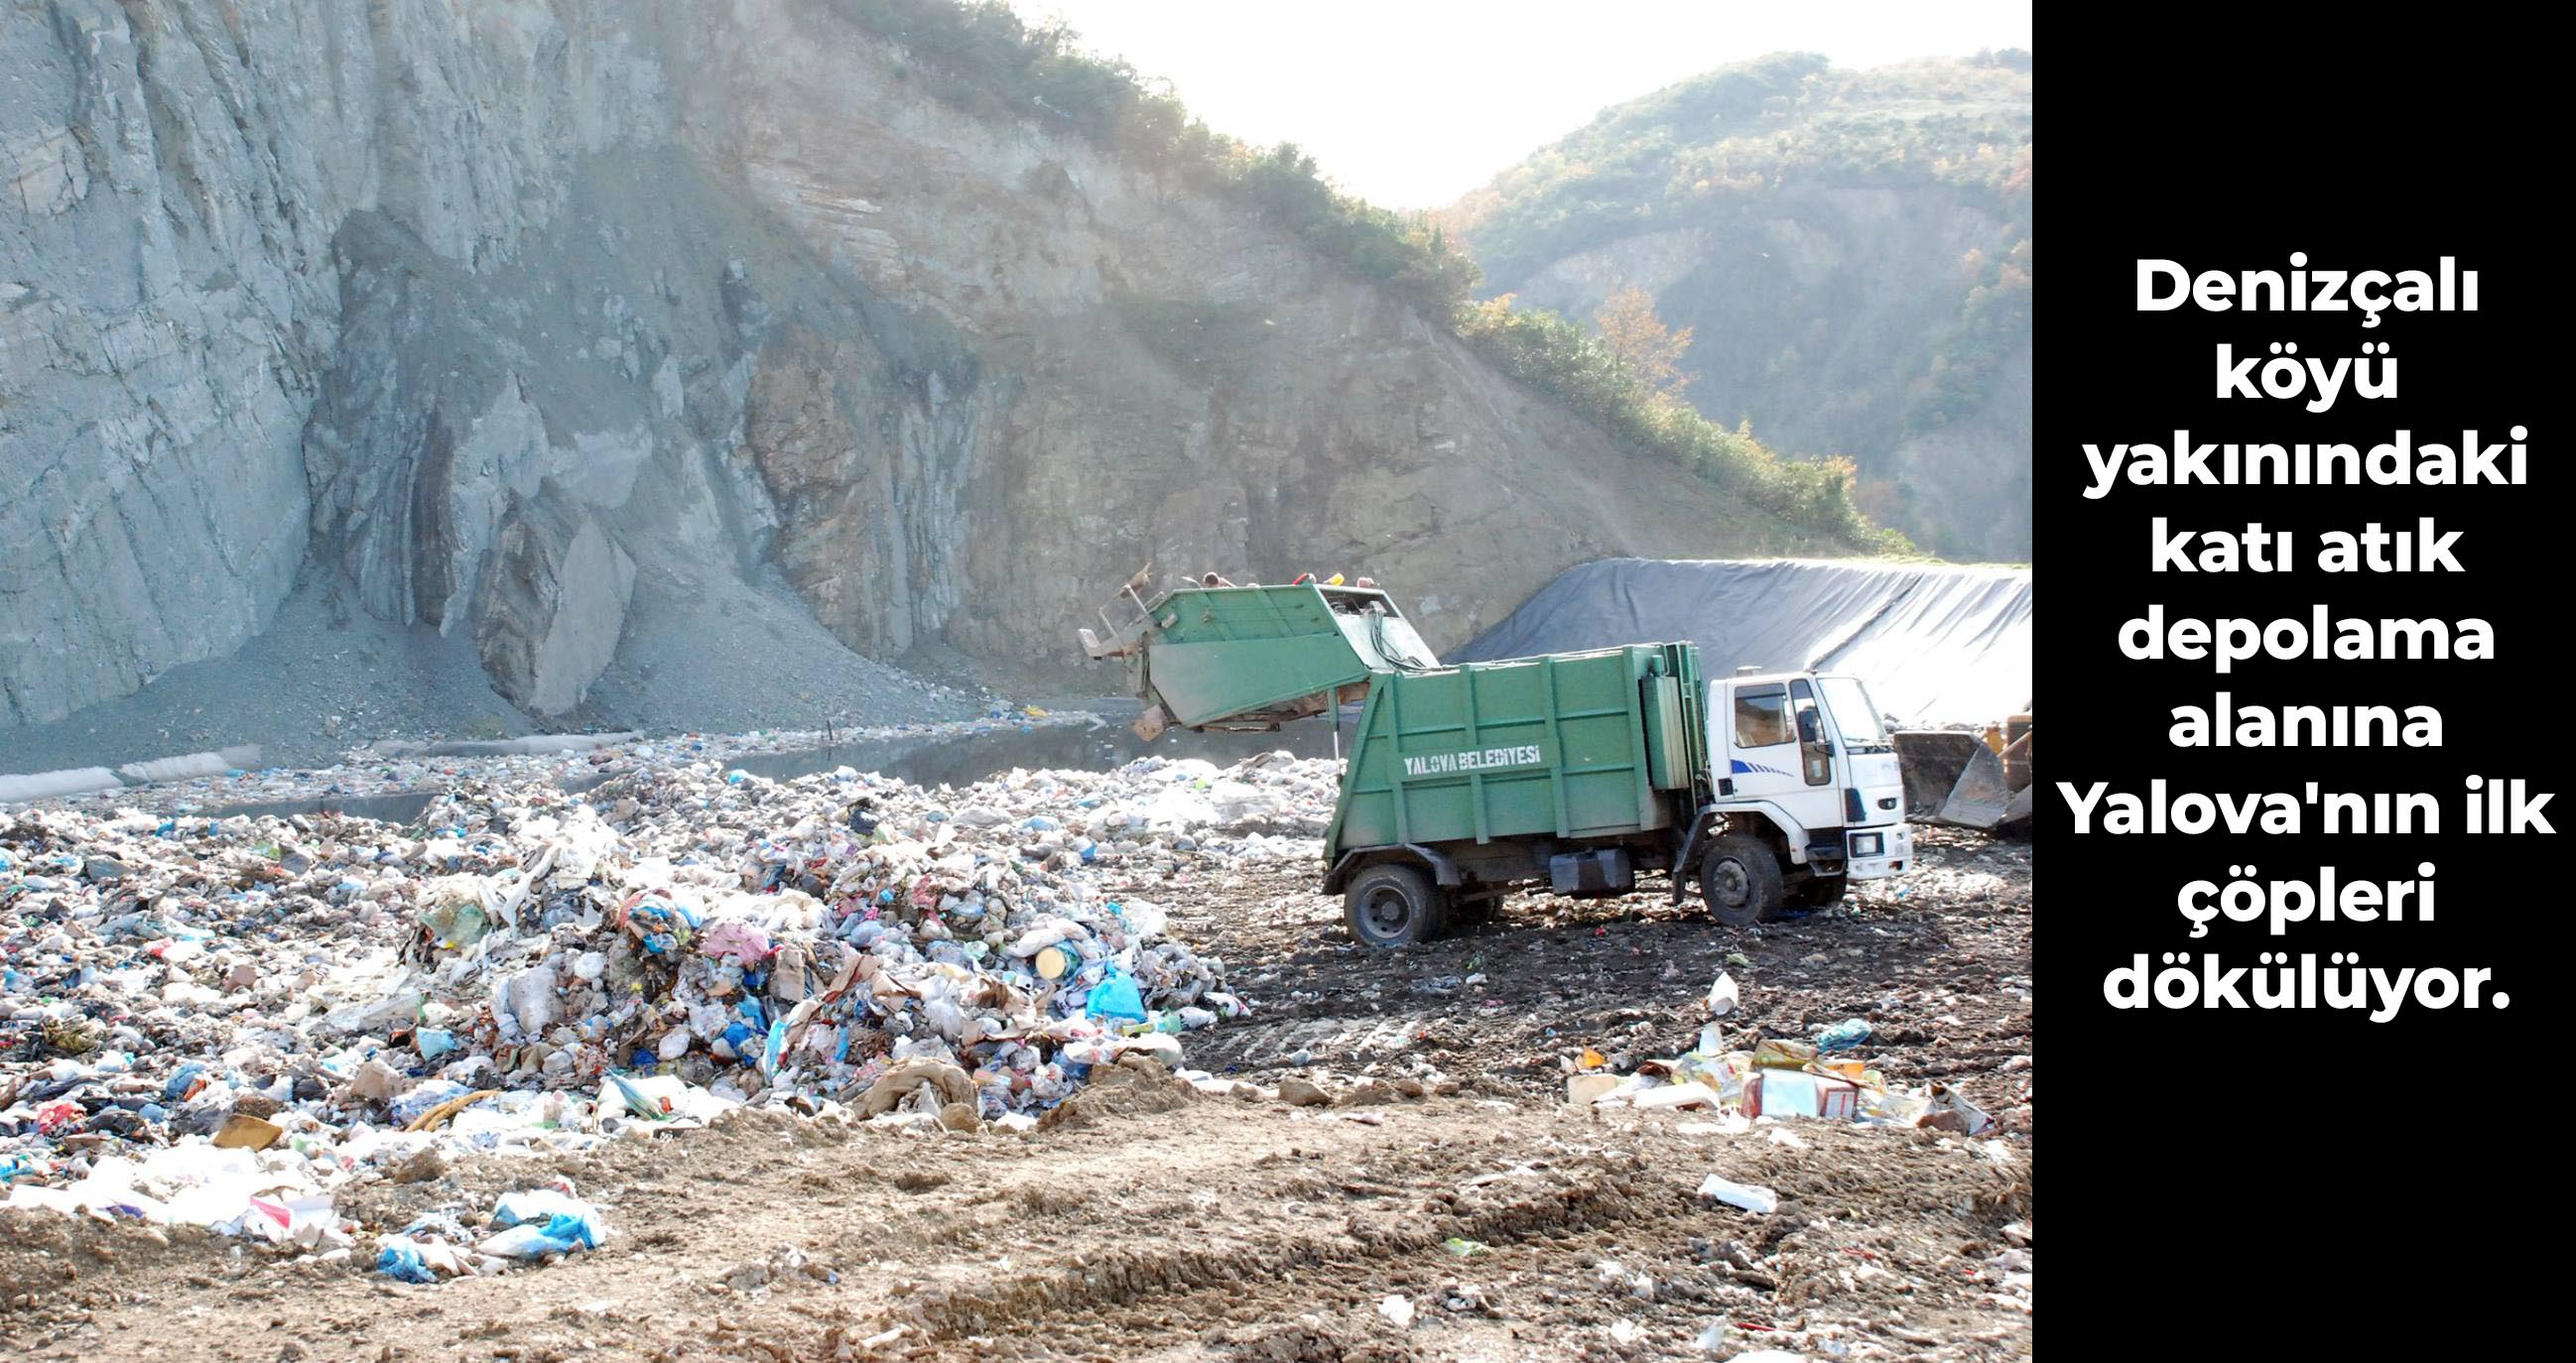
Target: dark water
962, 761
401, 808
952, 762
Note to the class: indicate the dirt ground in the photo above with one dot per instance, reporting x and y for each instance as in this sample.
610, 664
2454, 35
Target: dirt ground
1148, 1221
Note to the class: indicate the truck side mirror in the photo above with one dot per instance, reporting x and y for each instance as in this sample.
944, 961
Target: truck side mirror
1808, 730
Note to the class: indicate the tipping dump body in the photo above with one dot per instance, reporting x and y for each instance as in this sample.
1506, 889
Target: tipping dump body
1250, 657
1565, 745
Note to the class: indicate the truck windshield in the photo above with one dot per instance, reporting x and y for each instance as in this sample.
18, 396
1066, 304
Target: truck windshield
1853, 713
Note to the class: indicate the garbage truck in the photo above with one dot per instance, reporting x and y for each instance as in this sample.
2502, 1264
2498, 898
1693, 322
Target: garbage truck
1575, 772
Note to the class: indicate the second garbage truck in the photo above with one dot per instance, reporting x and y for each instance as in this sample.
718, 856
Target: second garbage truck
1571, 771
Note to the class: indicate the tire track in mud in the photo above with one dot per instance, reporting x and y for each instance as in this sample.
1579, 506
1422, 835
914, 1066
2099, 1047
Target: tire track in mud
1085, 1285
1938, 964
1308, 1210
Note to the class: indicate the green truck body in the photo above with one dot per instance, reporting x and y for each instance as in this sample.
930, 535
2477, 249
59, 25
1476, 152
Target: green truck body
1568, 745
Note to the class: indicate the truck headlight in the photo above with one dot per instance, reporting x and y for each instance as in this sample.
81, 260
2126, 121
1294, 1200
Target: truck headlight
1868, 844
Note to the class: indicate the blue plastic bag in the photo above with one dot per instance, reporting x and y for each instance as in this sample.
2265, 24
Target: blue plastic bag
541, 1221
528, 1241
1843, 1035
773, 1046
1116, 997
403, 1263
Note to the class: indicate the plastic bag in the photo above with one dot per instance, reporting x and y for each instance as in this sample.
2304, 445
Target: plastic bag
528, 1242
1116, 997
403, 1264
540, 1205
542, 1221
1843, 1035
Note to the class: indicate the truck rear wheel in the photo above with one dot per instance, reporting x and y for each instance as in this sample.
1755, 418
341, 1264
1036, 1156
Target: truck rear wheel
1394, 905
1740, 879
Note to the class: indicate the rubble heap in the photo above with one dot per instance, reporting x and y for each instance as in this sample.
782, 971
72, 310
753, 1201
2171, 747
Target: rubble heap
217, 1022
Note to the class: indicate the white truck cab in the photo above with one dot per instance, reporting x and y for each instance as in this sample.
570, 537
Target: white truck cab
1803, 764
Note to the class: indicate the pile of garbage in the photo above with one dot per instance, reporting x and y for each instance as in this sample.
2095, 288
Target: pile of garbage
1820, 1077
216, 1022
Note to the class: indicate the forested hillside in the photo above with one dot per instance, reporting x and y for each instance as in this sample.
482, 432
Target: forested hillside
1850, 249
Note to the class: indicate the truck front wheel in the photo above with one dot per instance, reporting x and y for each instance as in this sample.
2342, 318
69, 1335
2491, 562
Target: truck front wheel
1740, 879
1392, 906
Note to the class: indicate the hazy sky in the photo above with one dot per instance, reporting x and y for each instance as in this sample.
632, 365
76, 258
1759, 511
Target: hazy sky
1410, 103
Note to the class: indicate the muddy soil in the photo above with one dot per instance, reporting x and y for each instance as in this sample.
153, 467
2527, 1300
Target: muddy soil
1150, 1221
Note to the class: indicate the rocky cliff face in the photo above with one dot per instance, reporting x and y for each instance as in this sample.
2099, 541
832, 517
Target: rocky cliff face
548, 325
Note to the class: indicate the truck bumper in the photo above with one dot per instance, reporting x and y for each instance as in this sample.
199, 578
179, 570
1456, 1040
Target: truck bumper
1877, 852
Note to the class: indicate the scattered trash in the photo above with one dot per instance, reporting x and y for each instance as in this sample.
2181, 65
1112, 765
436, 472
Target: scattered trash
945, 1082
1772, 1053
1797, 1093
528, 971
568, 1224
1585, 1089
532, 1225
1398, 1311
1780, 1077
1950, 1110
1843, 1035
1612, 1274
244, 1132
1688, 1093
1755, 1199
403, 1261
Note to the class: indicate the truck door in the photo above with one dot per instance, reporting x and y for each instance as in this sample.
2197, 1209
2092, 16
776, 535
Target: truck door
1872, 770
1764, 758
